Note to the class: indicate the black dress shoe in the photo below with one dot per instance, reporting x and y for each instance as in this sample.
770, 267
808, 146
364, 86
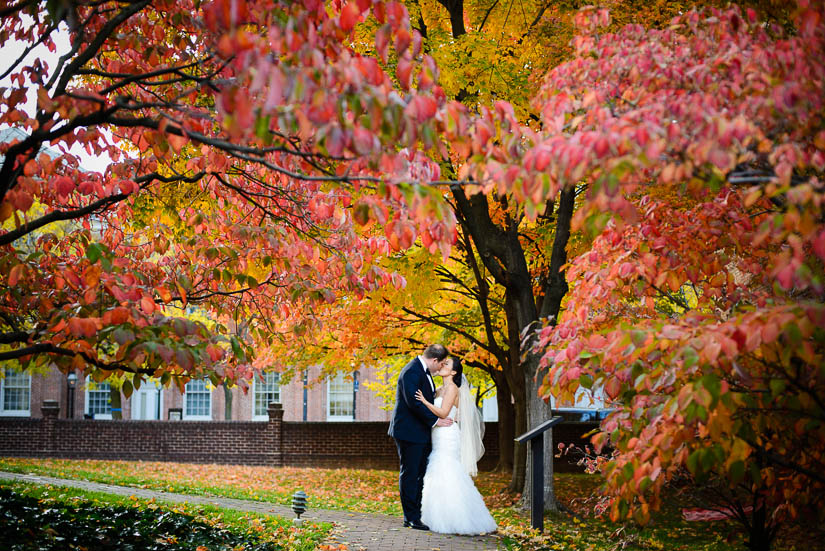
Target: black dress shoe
419, 526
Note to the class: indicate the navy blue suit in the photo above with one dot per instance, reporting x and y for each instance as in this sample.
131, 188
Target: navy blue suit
411, 426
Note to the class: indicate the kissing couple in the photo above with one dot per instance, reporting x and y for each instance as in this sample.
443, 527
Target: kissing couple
438, 434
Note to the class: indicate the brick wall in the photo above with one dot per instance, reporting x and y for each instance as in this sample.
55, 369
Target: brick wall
21, 437
316, 444
363, 444
230, 442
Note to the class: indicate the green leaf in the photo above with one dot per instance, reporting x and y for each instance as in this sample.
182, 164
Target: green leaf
737, 471
127, 388
236, 349
777, 386
93, 252
644, 484
693, 461
690, 357
713, 385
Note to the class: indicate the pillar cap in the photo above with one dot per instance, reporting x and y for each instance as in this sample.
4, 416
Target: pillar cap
50, 408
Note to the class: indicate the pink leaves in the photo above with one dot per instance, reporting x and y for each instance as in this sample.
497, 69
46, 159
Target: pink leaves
785, 276
626, 269
819, 245
590, 18
350, 15
382, 41
64, 186
225, 14
402, 42
363, 140
404, 73
421, 108
601, 147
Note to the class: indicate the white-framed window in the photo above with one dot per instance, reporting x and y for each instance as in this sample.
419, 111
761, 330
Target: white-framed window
264, 392
197, 400
340, 399
98, 399
15, 393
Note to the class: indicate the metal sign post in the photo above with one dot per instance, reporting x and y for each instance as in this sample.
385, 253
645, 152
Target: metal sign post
536, 439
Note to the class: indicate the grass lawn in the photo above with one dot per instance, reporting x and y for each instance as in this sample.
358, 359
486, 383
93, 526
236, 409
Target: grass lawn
376, 491
57, 518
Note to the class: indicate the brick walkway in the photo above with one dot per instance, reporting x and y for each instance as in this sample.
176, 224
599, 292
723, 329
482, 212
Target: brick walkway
360, 531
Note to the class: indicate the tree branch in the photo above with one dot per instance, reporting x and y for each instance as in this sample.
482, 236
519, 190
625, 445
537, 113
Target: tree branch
59, 215
48, 348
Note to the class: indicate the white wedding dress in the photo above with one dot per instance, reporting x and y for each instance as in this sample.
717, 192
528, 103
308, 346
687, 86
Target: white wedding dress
450, 503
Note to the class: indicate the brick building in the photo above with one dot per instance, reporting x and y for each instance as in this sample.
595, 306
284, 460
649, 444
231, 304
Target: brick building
306, 398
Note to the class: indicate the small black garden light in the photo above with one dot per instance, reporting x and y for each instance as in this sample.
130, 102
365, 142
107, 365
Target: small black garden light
299, 505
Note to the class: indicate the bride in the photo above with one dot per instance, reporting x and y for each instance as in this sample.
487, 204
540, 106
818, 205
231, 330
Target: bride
450, 502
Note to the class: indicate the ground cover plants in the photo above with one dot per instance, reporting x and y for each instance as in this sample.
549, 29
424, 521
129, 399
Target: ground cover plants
57, 518
375, 491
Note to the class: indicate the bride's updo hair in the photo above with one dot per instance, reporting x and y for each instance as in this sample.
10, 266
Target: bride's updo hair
458, 370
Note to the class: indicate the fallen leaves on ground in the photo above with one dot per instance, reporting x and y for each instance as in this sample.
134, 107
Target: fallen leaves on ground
376, 491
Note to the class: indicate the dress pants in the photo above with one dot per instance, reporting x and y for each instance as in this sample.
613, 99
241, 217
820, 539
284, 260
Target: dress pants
413, 458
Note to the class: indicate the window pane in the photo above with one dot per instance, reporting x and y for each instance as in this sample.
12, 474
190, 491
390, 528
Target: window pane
99, 399
16, 391
197, 400
267, 391
340, 397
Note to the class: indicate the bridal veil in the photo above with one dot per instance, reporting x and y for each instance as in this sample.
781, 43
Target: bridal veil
471, 428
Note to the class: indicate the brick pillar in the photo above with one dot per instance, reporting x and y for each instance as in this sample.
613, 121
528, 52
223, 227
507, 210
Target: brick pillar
50, 410
275, 428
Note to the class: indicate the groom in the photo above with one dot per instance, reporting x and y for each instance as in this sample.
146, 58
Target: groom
411, 425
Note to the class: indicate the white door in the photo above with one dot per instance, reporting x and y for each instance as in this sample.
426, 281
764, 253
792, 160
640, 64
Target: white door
145, 402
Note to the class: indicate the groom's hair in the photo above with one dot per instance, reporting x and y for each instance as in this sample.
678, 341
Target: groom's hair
436, 351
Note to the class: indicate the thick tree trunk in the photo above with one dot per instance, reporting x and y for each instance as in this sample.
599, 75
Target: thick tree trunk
506, 423
538, 412
227, 398
519, 477
512, 370
115, 400
760, 533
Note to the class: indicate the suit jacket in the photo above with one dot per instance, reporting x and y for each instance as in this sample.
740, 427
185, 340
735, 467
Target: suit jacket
411, 420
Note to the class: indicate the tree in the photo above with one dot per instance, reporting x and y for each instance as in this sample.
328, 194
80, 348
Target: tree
488, 52
453, 302
285, 137
702, 318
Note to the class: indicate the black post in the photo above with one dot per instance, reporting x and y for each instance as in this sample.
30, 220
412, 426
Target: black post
354, 393
306, 376
537, 499
159, 404
71, 381
71, 402
536, 439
